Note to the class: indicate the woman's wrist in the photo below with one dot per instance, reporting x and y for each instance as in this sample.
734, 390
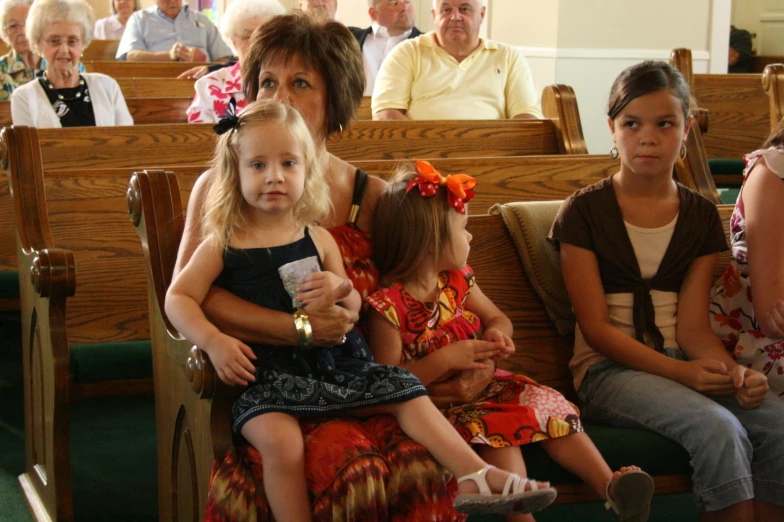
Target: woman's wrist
304, 329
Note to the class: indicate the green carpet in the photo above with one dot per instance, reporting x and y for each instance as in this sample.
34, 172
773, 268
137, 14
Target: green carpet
114, 451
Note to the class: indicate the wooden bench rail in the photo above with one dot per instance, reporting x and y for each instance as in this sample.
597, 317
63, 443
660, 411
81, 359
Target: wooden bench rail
156, 88
101, 50
145, 111
123, 69
773, 84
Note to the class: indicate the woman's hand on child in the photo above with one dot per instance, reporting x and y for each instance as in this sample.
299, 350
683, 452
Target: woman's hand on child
706, 376
776, 319
468, 354
464, 387
232, 360
751, 386
329, 321
497, 336
319, 284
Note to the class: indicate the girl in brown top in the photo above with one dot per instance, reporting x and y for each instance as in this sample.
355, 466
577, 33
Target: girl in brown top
637, 253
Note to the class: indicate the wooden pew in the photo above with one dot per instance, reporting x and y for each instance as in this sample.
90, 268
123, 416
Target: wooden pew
759, 63
739, 111
79, 310
192, 421
92, 287
156, 88
191, 145
123, 69
101, 50
145, 111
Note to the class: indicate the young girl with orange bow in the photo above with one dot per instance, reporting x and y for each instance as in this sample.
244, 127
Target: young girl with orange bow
428, 315
267, 195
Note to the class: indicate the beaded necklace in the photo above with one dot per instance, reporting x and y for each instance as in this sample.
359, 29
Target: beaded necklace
80, 91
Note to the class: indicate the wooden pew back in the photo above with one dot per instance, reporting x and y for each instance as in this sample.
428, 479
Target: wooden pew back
156, 88
738, 110
145, 111
101, 50
123, 69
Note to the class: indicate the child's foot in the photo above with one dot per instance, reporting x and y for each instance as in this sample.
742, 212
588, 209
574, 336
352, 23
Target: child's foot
629, 493
491, 490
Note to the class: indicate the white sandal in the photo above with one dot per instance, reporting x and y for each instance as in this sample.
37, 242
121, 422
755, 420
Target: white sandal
513, 499
631, 500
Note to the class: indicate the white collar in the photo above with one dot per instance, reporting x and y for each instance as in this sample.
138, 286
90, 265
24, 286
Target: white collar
380, 31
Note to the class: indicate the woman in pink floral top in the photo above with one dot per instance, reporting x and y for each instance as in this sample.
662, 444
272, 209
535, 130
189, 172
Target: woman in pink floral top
747, 302
214, 90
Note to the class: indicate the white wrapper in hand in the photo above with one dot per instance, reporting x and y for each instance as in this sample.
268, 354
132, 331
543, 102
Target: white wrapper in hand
293, 273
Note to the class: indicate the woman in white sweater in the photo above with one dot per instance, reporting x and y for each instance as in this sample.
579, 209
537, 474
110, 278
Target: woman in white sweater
63, 97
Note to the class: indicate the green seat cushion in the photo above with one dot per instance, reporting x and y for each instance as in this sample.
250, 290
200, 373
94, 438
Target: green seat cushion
726, 166
9, 284
96, 362
620, 447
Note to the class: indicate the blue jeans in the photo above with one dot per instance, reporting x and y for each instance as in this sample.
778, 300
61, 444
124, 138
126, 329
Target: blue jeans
736, 454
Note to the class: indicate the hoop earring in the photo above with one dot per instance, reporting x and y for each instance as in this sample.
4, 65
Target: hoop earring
614, 154
683, 151
340, 126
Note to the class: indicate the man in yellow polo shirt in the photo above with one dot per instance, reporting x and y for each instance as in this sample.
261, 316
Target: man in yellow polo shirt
451, 73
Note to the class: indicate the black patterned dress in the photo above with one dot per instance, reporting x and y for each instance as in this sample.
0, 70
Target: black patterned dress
317, 382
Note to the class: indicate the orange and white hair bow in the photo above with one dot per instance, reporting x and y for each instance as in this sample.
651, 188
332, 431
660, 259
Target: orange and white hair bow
460, 187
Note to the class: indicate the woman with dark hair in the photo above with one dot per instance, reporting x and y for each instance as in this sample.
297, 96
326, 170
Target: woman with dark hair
356, 469
747, 303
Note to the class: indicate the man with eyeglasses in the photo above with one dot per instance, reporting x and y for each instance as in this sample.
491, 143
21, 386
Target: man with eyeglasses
393, 22
169, 31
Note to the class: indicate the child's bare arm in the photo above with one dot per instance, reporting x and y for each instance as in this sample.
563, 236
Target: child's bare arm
230, 357
387, 347
334, 273
496, 324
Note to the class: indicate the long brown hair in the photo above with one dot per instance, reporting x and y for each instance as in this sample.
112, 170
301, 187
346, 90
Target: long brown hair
224, 202
407, 227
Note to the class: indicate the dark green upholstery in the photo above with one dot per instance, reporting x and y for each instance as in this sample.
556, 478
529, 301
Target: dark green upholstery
620, 447
726, 166
729, 195
111, 361
9, 284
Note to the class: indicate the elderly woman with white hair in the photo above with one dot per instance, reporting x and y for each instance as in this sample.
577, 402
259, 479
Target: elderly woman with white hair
19, 65
64, 97
112, 27
214, 90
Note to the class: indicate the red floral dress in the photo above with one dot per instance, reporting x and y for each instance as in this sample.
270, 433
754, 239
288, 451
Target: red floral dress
213, 92
356, 470
513, 410
732, 309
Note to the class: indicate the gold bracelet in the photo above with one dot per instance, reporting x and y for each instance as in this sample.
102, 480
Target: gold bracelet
304, 330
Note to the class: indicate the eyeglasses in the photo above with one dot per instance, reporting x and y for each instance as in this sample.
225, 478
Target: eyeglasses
57, 41
13, 27
244, 37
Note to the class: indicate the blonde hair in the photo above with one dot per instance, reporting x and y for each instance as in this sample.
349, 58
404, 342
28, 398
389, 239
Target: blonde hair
224, 202
407, 227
